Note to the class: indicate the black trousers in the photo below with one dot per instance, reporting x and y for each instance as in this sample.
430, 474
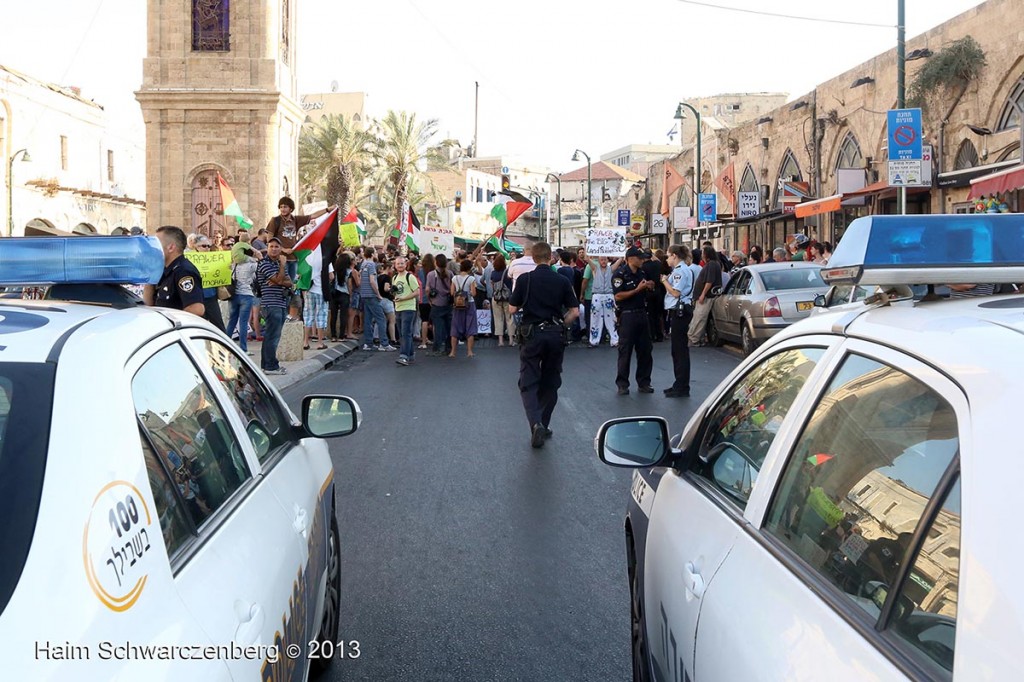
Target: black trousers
681, 348
656, 316
635, 334
337, 324
540, 374
211, 307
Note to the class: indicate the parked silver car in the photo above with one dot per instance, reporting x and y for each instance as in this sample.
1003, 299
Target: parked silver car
760, 300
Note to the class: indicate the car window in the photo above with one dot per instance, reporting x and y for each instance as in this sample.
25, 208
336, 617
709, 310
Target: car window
927, 620
731, 287
743, 286
168, 496
795, 278
177, 409
740, 429
258, 408
860, 476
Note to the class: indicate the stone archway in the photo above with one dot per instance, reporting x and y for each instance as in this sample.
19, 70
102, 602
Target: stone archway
84, 229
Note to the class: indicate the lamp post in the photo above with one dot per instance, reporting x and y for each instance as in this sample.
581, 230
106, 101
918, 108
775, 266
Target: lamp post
558, 201
696, 169
590, 189
10, 187
901, 76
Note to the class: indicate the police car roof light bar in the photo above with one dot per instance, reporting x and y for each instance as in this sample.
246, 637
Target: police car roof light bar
80, 260
977, 248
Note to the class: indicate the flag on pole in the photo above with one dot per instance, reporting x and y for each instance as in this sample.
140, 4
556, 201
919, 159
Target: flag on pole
508, 206
673, 181
726, 183
230, 204
497, 240
316, 250
406, 229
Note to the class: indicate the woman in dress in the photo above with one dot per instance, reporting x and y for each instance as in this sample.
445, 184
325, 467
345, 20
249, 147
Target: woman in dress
463, 319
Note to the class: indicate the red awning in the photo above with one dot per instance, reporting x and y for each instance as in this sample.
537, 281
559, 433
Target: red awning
819, 206
882, 190
998, 182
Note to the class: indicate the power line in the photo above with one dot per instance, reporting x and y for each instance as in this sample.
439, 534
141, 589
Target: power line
783, 16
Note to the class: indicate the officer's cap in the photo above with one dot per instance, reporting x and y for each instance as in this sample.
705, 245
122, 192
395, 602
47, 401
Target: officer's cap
634, 252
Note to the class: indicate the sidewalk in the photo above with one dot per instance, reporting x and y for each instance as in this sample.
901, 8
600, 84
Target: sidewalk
313, 361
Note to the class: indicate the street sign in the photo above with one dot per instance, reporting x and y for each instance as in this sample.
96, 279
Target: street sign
504, 170
458, 193
708, 207
659, 225
904, 126
750, 204
905, 173
623, 217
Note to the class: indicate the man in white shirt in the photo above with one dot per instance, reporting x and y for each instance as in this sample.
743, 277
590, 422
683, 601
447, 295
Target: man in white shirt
520, 266
679, 305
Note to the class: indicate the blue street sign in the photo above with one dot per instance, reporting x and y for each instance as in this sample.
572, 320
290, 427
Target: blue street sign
707, 211
904, 134
623, 217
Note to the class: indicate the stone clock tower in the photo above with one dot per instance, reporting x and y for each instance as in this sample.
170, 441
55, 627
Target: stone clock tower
218, 95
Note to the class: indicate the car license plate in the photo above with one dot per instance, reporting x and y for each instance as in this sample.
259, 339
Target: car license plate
804, 305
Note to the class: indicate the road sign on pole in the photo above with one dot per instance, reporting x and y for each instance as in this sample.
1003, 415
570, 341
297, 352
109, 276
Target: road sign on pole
707, 207
623, 220
904, 134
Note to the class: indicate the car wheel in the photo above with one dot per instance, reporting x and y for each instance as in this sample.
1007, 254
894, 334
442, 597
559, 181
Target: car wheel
747, 339
330, 624
636, 621
714, 338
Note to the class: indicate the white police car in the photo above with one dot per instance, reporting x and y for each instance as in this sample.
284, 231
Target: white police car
163, 514
840, 507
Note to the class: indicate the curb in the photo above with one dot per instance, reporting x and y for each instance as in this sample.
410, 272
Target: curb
303, 369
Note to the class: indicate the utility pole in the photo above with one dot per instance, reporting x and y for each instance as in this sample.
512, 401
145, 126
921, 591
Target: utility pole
476, 118
901, 77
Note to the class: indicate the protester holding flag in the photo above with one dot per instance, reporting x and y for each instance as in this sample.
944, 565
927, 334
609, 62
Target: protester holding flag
314, 255
286, 228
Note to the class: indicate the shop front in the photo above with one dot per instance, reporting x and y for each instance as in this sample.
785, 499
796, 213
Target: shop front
999, 192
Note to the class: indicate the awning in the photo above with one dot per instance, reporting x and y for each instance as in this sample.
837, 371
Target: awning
882, 190
963, 177
998, 182
819, 206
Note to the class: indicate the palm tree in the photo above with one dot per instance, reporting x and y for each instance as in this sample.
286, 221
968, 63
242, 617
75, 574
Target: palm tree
403, 156
335, 157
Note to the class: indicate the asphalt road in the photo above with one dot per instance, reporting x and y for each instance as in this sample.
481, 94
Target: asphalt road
468, 555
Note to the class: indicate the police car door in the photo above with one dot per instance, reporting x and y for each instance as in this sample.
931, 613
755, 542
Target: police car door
298, 470
872, 463
697, 513
236, 571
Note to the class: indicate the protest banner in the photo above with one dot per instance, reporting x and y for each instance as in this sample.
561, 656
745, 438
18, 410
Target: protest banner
483, 321
350, 236
214, 267
606, 241
436, 239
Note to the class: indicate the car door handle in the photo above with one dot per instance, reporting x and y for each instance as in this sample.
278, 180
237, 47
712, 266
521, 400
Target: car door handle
694, 580
301, 523
250, 622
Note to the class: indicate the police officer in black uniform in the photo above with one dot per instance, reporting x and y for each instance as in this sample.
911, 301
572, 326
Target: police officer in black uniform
630, 286
549, 306
180, 287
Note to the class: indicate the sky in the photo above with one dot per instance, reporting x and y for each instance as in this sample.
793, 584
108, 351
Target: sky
554, 74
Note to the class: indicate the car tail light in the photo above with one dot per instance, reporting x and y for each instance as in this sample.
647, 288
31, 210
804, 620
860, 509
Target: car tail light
772, 308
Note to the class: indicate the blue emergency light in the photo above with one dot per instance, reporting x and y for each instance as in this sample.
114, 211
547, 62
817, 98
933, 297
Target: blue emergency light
80, 260
976, 248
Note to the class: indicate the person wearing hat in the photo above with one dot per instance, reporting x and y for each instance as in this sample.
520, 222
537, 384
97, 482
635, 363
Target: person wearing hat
286, 228
631, 286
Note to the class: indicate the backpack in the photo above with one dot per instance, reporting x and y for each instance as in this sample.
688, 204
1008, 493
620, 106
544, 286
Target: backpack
462, 296
501, 291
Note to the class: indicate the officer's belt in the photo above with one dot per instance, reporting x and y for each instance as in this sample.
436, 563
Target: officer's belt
548, 326
634, 310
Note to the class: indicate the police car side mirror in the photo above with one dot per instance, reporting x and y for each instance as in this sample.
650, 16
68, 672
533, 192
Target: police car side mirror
330, 416
819, 301
633, 442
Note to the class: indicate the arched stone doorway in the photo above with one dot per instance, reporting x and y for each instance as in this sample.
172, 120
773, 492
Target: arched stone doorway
207, 211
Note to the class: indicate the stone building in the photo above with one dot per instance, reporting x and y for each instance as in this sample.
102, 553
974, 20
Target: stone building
350, 105
831, 142
219, 95
83, 176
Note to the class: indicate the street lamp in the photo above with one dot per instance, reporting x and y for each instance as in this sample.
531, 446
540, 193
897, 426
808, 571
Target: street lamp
590, 190
696, 169
558, 200
10, 187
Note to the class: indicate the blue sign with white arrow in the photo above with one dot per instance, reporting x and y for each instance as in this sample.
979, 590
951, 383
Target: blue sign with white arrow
623, 217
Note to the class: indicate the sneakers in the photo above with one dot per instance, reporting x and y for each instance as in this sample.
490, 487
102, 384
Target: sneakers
537, 436
402, 360
279, 370
367, 346
387, 349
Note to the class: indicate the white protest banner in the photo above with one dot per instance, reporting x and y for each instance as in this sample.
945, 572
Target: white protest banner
483, 321
436, 239
314, 207
606, 241
679, 214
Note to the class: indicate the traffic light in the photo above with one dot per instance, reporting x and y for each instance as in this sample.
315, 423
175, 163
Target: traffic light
505, 183
458, 204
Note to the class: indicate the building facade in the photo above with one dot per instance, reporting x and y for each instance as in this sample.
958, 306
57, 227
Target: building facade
219, 96
350, 105
832, 142
82, 175
637, 158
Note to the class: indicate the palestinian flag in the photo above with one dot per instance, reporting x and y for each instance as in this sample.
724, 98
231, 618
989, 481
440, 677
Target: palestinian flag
316, 250
406, 230
360, 223
352, 229
509, 206
497, 240
230, 204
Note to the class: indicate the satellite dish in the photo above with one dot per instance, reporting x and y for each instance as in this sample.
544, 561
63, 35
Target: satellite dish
334, 86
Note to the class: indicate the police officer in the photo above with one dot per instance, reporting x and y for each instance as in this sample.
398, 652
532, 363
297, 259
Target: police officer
679, 304
630, 286
180, 287
549, 305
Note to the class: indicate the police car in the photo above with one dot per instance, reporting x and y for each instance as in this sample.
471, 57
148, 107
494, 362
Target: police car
163, 514
839, 508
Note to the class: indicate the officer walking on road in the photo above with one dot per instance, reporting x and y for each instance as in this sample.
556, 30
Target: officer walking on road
630, 286
549, 306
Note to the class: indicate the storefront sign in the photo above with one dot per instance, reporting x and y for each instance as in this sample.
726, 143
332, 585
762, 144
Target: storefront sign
750, 204
659, 225
636, 226
606, 241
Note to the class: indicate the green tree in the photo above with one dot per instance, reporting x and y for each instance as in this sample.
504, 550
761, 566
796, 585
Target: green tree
402, 158
335, 158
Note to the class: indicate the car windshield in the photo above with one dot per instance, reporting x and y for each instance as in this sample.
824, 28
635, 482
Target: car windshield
797, 278
26, 391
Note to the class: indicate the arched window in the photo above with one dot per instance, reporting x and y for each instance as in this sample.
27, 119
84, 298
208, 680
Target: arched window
1009, 117
789, 169
849, 153
210, 26
84, 228
966, 156
748, 183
